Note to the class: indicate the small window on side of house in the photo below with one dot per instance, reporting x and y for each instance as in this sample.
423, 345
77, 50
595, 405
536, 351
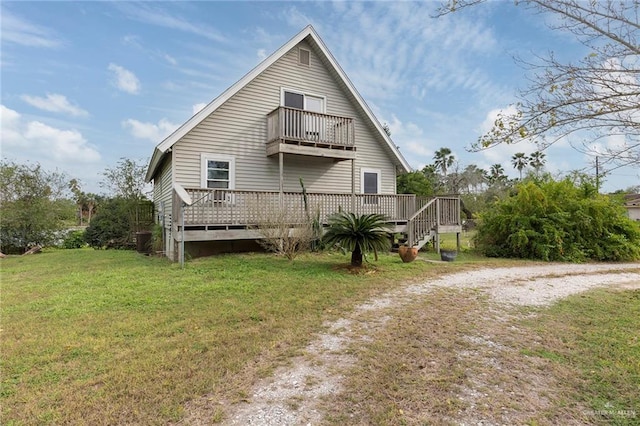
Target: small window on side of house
304, 57
217, 171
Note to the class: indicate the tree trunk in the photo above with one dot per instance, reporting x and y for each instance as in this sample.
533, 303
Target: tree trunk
356, 256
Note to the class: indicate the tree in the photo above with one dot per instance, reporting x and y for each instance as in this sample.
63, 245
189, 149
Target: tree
496, 174
358, 234
519, 161
443, 160
125, 180
536, 160
33, 206
414, 183
594, 98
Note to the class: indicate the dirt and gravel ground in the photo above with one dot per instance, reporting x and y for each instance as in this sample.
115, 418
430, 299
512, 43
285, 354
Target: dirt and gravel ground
294, 395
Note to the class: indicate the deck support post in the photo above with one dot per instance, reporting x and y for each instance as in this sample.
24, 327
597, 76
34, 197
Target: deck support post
281, 177
353, 185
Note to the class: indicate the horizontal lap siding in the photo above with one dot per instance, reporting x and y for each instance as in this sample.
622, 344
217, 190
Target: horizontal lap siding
239, 128
162, 188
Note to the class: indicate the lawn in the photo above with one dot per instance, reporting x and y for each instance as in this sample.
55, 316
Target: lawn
113, 336
110, 337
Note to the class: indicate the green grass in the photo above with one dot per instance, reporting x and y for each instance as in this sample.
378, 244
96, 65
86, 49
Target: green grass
112, 336
593, 342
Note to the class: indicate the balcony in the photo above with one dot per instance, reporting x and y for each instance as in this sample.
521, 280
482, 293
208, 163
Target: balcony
294, 131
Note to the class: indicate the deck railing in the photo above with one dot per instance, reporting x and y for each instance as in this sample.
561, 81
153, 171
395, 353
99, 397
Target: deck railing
234, 207
290, 124
245, 208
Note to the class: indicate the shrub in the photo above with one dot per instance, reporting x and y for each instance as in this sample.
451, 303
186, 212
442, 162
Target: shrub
359, 234
74, 240
111, 227
558, 221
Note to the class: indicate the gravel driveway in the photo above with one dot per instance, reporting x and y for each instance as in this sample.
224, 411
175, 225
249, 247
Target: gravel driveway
317, 373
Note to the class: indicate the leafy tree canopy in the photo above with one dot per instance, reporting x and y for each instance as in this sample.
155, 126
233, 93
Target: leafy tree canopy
563, 220
33, 206
595, 98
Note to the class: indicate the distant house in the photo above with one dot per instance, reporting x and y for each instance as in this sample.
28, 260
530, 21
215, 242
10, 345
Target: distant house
296, 116
632, 204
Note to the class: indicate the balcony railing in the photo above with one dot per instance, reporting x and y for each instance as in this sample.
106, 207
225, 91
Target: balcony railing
292, 125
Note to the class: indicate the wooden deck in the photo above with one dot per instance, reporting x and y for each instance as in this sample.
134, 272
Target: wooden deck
233, 214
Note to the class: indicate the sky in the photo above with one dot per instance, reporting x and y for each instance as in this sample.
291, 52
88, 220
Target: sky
84, 84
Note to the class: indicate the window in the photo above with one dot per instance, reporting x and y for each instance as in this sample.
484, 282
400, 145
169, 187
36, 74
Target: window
298, 99
302, 125
370, 184
304, 56
217, 172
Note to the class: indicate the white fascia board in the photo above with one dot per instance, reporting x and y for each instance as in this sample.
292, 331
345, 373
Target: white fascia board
401, 160
163, 146
196, 119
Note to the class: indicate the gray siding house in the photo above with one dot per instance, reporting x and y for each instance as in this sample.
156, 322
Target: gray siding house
294, 117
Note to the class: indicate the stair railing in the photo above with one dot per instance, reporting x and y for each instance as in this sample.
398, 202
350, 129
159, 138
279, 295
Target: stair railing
422, 222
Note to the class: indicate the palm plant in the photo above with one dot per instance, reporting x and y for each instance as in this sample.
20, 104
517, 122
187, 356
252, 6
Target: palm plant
497, 174
443, 160
536, 160
358, 234
519, 161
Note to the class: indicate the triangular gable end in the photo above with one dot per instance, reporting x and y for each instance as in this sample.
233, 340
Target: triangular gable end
163, 147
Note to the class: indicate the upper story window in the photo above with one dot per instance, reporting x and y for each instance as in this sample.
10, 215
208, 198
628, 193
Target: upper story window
307, 101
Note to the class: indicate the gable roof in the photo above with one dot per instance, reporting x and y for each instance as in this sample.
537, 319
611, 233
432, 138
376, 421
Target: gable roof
313, 38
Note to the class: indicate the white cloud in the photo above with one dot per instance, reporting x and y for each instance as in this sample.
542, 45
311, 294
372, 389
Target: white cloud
150, 131
170, 59
55, 103
411, 140
37, 141
125, 80
157, 16
18, 31
262, 54
198, 107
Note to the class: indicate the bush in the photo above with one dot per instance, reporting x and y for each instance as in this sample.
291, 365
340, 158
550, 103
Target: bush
558, 221
74, 240
32, 206
111, 227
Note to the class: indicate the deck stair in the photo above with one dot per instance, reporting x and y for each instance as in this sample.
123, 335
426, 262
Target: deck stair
422, 227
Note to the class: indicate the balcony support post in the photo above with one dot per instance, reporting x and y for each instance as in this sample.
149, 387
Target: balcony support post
353, 185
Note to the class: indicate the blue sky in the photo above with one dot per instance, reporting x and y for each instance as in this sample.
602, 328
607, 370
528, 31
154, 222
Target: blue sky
86, 83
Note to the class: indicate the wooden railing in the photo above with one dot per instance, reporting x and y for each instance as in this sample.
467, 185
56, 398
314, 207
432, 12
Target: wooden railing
436, 213
234, 207
290, 124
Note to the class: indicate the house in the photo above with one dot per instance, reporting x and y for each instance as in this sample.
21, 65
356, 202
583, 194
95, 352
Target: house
295, 118
632, 204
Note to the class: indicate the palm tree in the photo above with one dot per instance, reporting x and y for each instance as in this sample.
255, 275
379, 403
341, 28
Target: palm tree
519, 161
443, 160
496, 173
536, 160
358, 234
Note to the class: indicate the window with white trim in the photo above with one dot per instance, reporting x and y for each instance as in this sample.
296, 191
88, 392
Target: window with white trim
299, 99
217, 171
370, 184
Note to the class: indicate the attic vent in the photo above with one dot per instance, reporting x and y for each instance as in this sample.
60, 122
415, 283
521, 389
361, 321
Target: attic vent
304, 57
